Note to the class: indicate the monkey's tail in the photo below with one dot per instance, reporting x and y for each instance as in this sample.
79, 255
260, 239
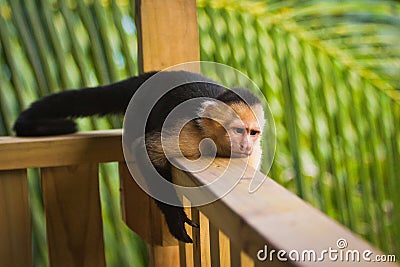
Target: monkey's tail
54, 114
43, 127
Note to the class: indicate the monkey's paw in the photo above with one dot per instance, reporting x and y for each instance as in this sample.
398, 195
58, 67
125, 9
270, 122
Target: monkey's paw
176, 219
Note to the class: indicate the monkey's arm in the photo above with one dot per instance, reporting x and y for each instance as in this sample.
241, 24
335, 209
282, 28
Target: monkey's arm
53, 114
175, 216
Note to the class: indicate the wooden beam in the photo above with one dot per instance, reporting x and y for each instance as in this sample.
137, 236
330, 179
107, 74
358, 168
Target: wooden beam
82, 147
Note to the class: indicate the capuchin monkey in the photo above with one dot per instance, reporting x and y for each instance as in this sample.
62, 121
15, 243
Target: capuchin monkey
235, 131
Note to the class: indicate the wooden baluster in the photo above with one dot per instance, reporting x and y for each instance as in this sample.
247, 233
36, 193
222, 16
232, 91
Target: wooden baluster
205, 241
246, 260
196, 239
224, 249
73, 215
15, 222
214, 245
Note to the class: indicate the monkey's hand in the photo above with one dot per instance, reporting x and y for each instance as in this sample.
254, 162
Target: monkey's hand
176, 219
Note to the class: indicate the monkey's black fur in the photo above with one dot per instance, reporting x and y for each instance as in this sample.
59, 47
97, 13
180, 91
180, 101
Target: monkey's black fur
54, 115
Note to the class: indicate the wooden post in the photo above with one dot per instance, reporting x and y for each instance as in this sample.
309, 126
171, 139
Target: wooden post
168, 35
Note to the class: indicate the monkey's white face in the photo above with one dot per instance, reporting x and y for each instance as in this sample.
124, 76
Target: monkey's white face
243, 135
235, 130
245, 130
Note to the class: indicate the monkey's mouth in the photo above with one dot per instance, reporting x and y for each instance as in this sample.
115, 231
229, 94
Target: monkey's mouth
240, 154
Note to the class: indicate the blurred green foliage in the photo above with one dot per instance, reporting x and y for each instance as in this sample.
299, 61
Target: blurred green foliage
329, 70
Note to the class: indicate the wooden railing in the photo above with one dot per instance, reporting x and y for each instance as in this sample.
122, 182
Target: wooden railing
271, 219
232, 230
69, 172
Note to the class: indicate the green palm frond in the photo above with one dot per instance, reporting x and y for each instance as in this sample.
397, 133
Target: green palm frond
362, 36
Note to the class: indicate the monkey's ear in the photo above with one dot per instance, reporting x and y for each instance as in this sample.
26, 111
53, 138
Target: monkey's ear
212, 117
210, 109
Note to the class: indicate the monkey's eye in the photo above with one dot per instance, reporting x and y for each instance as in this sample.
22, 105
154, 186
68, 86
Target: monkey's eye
239, 130
254, 132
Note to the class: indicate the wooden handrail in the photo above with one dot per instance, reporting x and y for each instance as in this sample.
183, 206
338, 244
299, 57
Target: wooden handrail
69, 175
63, 150
271, 216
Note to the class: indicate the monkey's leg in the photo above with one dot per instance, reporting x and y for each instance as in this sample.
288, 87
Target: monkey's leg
175, 216
176, 219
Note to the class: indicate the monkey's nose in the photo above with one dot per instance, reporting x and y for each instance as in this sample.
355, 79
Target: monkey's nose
244, 148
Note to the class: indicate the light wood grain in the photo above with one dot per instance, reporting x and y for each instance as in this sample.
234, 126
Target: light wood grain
205, 241
167, 33
163, 256
246, 260
224, 250
15, 227
84, 147
73, 215
271, 216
